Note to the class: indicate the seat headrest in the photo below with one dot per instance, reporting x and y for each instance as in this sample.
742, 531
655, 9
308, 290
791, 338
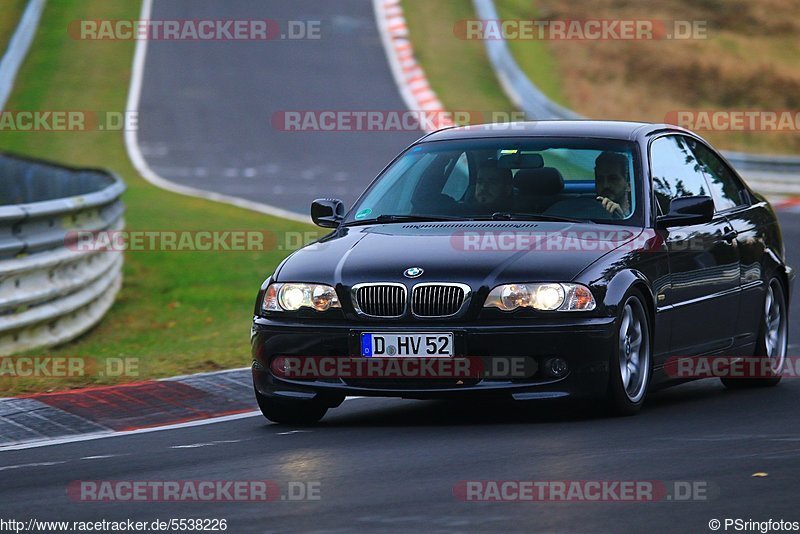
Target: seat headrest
544, 181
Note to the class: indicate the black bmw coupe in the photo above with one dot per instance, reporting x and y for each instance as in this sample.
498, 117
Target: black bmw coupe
528, 261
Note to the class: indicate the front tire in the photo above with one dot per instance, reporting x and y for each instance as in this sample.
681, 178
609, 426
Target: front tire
773, 340
291, 412
630, 366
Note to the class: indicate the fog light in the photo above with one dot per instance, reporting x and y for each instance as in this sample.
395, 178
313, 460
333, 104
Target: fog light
556, 367
279, 366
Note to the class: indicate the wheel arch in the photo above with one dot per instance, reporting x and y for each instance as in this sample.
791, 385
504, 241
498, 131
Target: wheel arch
786, 276
622, 283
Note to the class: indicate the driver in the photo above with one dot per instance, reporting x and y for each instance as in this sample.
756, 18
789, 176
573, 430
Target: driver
612, 183
493, 188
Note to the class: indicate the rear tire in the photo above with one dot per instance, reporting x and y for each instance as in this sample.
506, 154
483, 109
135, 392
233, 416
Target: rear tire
630, 367
773, 340
291, 412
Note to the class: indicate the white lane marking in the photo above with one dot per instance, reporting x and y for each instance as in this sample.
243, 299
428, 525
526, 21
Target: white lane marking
101, 456
113, 434
209, 444
37, 464
210, 373
141, 165
291, 432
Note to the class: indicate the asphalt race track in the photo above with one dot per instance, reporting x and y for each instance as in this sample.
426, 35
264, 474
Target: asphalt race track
382, 464
207, 108
392, 465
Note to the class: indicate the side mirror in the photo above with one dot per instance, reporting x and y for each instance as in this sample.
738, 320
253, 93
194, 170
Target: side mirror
684, 211
327, 212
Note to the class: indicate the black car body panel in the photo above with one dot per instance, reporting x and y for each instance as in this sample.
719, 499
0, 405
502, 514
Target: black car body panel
370, 253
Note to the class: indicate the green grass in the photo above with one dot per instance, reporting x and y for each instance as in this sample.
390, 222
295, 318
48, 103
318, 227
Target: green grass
533, 56
178, 312
748, 62
457, 70
10, 13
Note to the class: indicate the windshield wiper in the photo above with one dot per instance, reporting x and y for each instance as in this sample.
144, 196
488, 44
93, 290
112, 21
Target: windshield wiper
406, 218
512, 216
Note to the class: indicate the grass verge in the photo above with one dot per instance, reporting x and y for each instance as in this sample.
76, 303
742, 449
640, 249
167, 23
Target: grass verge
178, 312
11, 11
534, 57
457, 70
748, 60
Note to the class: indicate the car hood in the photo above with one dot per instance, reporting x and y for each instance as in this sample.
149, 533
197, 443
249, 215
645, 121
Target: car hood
476, 253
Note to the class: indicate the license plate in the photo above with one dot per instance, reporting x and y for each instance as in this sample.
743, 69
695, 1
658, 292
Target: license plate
401, 345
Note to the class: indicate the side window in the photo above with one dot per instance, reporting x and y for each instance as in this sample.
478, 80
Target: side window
458, 181
675, 170
727, 190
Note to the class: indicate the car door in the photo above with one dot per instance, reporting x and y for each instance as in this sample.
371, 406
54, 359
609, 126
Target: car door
702, 296
732, 199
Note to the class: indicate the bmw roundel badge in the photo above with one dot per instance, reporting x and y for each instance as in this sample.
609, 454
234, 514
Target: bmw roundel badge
413, 272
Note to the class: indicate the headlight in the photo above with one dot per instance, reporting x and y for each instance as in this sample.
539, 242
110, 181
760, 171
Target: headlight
545, 297
292, 297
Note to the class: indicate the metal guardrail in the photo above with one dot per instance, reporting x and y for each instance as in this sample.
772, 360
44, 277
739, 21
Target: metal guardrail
763, 162
520, 89
51, 293
530, 99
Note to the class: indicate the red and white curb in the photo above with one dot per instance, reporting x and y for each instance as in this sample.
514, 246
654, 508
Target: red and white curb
787, 204
90, 413
407, 72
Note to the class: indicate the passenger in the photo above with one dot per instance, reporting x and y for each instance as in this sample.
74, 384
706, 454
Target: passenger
612, 183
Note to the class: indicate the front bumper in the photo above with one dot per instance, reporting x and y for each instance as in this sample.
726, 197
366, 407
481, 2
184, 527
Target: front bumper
586, 344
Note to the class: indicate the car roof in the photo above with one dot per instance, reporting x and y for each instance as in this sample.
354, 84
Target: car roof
623, 130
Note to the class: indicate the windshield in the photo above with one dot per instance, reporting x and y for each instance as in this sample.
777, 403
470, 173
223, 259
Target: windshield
585, 179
